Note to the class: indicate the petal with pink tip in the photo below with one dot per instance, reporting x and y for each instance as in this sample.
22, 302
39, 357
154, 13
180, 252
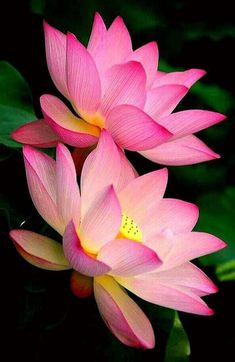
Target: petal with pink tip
147, 55
187, 150
102, 220
71, 129
122, 315
103, 166
128, 172
133, 129
140, 197
186, 78
161, 101
118, 45
36, 133
78, 258
41, 178
187, 122
82, 77
39, 250
123, 84
81, 285
128, 257
55, 43
67, 190
186, 275
169, 296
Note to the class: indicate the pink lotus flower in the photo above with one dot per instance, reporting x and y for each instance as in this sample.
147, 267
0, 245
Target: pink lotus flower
111, 86
120, 233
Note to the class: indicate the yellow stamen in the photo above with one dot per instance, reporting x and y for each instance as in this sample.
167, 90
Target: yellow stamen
129, 229
95, 119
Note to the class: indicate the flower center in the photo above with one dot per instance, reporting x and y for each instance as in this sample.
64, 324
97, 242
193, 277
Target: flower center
129, 229
95, 119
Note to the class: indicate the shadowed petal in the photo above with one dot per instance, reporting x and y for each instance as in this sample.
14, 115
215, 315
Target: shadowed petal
81, 285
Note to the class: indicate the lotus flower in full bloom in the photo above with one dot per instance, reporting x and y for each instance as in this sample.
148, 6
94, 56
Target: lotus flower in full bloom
113, 87
119, 233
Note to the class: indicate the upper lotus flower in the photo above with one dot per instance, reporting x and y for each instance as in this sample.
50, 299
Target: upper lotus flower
120, 233
111, 86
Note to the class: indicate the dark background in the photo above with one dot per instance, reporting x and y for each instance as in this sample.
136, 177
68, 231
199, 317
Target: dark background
40, 319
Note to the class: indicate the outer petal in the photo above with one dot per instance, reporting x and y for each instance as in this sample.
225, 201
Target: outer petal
123, 84
140, 197
41, 177
170, 214
128, 172
81, 285
71, 129
128, 257
67, 190
122, 315
147, 55
102, 220
36, 133
78, 258
82, 76
55, 43
161, 101
186, 78
133, 129
103, 166
169, 296
187, 122
39, 250
187, 150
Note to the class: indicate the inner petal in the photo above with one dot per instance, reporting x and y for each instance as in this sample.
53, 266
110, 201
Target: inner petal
129, 229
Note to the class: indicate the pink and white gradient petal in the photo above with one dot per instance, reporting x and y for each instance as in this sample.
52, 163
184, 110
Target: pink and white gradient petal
67, 190
134, 130
122, 315
39, 250
187, 150
82, 77
41, 178
36, 133
78, 258
55, 43
128, 257
69, 128
127, 173
102, 220
186, 78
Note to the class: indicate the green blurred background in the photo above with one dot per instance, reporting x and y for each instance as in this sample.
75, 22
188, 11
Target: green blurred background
40, 319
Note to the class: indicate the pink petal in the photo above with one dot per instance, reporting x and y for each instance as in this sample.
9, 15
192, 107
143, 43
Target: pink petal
36, 133
186, 122
55, 43
67, 191
118, 43
71, 129
147, 55
39, 250
133, 129
161, 101
82, 76
139, 197
102, 220
122, 315
78, 258
128, 257
123, 84
186, 275
186, 78
41, 178
169, 296
170, 214
187, 150
128, 172
103, 166
81, 285
97, 45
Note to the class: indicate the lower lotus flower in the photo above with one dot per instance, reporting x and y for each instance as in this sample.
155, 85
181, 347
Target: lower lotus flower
119, 234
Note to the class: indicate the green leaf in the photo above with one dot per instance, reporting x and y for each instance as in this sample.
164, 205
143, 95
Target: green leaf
226, 271
178, 348
15, 103
217, 216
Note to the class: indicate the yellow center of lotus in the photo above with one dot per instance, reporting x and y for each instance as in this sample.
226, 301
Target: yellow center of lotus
129, 229
95, 119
